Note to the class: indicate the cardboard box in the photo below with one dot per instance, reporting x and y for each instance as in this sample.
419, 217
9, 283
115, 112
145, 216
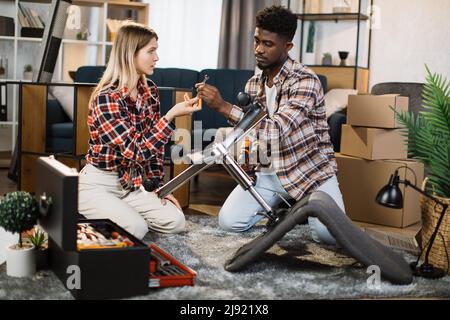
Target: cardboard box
374, 111
360, 180
406, 239
373, 143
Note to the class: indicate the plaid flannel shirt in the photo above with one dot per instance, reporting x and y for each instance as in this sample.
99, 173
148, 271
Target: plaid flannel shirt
297, 134
128, 136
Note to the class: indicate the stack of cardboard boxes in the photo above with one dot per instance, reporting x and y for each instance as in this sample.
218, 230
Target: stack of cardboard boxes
372, 148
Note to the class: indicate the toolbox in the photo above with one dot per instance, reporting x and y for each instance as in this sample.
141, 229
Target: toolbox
184, 277
97, 272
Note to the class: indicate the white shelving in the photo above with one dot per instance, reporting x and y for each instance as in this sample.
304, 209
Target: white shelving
73, 53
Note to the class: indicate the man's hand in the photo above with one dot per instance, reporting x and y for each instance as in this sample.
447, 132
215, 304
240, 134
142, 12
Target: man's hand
250, 170
213, 98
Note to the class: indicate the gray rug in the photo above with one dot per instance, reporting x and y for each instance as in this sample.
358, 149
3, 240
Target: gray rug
296, 268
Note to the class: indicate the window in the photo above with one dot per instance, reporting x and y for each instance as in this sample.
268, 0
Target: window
188, 32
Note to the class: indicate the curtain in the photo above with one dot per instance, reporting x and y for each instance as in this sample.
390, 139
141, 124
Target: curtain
188, 32
236, 32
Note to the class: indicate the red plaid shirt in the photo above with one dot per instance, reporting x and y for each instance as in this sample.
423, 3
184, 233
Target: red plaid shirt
128, 136
304, 157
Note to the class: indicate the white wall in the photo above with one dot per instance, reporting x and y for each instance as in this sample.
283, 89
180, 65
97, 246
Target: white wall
411, 33
407, 34
331, 36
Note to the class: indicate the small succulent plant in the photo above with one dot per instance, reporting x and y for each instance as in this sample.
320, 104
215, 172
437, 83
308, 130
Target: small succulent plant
39, 238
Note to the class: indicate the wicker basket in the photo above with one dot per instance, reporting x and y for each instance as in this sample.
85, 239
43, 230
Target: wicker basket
430, 216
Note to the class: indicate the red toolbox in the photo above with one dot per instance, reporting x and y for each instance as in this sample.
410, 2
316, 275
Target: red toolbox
166, 271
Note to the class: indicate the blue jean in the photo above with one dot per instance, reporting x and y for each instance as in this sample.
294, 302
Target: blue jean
239, 212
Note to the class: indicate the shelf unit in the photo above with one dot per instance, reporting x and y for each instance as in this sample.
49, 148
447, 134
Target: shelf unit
73, 53
356, 75
331, 16
32, 134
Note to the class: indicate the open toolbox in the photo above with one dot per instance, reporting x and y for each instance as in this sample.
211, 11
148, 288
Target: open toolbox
96, 258
166, 271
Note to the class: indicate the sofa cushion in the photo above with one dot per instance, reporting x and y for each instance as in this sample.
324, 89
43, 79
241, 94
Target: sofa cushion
230, 83
62, 130
337, 99
64, 95
55, 114
89, 74
174, 77
412, 90
61, 145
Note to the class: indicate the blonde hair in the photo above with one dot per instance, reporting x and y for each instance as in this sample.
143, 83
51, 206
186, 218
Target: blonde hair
130, 38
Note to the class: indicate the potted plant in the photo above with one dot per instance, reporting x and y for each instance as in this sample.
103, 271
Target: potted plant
327, 59
18, 213
28, 72
428, 141
39, 239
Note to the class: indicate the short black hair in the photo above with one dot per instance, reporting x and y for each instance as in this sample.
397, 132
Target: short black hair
277, 19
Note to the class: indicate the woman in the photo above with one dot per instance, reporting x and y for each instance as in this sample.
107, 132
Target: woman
127, 138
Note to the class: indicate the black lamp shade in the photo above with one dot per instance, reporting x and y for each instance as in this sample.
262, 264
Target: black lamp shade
391, 195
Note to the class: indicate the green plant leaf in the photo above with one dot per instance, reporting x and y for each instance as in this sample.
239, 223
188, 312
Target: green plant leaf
18, 212
428, 135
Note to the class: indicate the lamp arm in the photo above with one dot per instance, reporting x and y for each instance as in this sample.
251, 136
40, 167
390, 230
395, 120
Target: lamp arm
409, 184
441, 217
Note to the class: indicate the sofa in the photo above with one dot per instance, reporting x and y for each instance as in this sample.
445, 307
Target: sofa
59, 127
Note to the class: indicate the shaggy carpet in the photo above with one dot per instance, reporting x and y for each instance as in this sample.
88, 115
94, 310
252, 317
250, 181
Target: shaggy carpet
295, 268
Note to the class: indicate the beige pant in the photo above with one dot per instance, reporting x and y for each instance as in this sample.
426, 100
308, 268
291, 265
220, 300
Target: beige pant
100, 196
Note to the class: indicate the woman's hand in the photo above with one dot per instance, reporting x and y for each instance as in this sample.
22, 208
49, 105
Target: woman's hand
183, 108
172, 199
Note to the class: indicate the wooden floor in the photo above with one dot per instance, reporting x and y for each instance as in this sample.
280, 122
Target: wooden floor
5, 159
207, 195
6, 185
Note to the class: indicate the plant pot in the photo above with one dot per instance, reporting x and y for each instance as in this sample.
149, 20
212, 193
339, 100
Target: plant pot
41, 259
20, 262
327, 61
309, 58
28, 75
430, 217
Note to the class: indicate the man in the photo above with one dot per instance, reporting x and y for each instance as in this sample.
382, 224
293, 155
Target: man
292, 95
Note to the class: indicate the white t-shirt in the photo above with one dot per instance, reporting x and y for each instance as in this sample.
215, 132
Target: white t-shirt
271, 97
271, 101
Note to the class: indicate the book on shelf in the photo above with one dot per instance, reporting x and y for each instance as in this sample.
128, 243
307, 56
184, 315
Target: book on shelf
3, 106
29, 18
22, 20
3, 114
36, 19
2, 94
